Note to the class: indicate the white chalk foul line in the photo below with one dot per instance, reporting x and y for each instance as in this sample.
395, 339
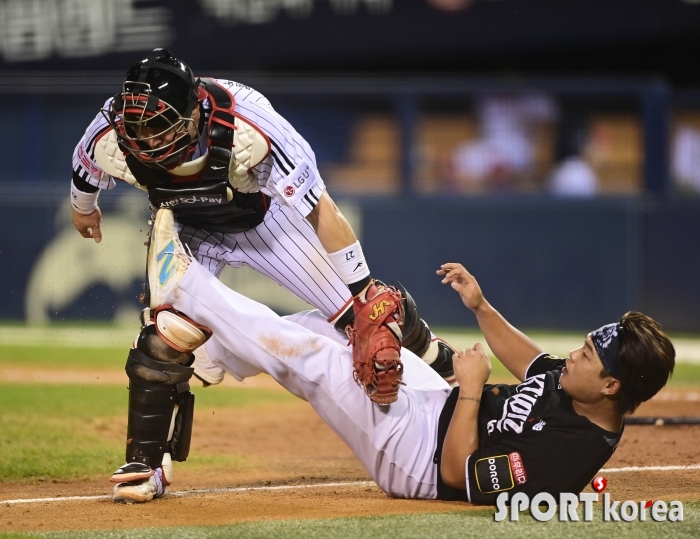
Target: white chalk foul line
229, 490
651, 468
183, 493
61, 499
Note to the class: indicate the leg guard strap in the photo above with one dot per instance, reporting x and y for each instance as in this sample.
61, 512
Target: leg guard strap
141, 368
418, 338
179, 444
441, 360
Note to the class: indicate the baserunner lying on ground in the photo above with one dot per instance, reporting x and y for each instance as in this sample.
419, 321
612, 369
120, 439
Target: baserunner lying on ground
550, 433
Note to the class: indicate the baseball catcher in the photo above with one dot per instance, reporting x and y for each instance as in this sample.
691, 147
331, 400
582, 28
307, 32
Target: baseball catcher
243, 189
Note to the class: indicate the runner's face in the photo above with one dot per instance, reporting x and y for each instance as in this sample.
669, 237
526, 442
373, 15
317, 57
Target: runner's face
581, 378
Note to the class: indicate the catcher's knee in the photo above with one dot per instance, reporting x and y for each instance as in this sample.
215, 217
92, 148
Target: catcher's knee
160, 403
416, 334
176, 331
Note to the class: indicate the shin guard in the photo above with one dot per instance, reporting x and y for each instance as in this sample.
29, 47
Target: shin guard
155, 389
161, 406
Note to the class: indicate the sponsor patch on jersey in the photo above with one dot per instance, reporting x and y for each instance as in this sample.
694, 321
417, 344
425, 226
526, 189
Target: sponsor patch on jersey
297, 184
494, 474
87, 163
517, 468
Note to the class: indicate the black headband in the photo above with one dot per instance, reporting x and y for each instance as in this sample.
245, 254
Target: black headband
606, 340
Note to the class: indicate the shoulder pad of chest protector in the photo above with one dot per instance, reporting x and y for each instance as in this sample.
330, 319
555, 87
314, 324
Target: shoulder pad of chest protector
249, 144
112, 160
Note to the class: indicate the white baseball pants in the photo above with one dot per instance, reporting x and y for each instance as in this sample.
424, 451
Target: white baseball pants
395, 443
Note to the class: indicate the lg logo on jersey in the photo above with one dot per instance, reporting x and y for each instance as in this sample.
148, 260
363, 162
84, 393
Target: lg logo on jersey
302, 178
612, 511
298, 183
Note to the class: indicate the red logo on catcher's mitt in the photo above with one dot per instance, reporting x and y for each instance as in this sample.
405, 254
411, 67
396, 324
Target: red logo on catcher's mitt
289, 191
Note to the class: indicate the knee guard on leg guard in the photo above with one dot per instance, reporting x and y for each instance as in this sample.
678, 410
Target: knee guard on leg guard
439, 357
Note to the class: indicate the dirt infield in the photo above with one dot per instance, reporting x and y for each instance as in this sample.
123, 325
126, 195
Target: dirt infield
291, 446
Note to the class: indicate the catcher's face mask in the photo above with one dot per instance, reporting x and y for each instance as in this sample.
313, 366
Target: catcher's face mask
151, 129
152, 115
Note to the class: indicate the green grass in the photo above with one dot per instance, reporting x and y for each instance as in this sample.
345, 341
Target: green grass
685, 374
456, 525
63, 432
68, 358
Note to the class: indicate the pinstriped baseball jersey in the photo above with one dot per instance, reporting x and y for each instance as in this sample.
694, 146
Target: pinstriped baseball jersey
289, 149
284, 246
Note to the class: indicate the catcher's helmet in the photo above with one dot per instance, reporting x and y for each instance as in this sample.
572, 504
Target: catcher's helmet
156, 103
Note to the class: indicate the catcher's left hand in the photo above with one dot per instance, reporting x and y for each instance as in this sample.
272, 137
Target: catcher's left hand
376, 340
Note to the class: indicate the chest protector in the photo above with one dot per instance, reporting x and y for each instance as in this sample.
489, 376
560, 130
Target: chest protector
216, 192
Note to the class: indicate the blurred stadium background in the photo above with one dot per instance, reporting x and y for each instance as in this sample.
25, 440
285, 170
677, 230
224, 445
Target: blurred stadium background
552, 147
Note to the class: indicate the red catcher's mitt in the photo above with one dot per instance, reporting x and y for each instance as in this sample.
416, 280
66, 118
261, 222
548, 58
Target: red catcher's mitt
376, 340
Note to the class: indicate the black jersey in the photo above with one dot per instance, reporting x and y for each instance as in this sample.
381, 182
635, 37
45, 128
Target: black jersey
530, 439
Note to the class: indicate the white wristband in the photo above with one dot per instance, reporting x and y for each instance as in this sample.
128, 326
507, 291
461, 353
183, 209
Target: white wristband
83, 203
350, 263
